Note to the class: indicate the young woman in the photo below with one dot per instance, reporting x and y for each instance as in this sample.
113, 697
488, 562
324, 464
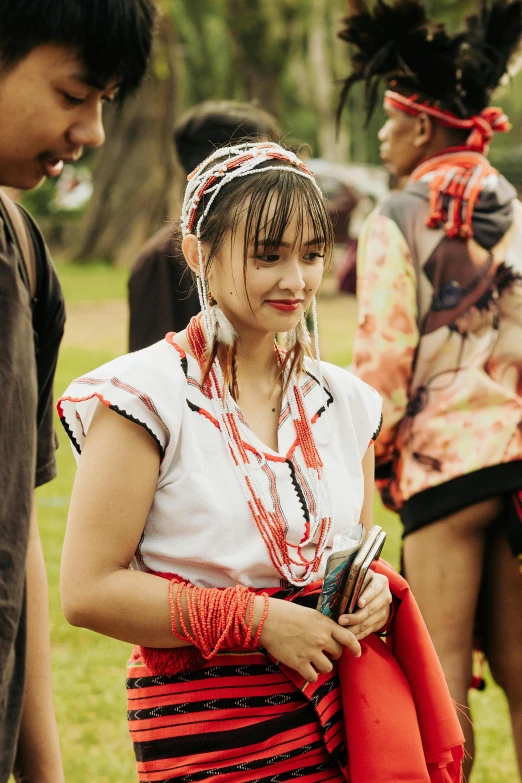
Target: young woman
439, 331
218, 466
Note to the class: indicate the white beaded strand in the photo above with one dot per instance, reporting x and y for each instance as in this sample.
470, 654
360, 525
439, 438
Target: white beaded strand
224, 408
322, 441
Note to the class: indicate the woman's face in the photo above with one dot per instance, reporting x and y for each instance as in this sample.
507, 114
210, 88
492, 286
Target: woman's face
278, 284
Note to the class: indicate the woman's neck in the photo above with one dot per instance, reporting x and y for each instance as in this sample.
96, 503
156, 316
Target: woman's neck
256, 359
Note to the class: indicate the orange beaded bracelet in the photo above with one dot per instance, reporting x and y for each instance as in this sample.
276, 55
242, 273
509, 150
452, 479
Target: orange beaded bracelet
218, 618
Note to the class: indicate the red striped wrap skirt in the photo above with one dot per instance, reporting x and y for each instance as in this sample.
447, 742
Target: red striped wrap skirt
237, 718
242, 717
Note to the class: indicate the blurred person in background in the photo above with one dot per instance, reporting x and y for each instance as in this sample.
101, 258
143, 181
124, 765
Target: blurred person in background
440, 329
162, 294
59, 62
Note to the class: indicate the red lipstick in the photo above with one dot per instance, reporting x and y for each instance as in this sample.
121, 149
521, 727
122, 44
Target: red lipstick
285, 305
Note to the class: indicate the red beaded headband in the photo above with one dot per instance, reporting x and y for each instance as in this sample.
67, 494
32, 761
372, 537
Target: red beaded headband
482, 126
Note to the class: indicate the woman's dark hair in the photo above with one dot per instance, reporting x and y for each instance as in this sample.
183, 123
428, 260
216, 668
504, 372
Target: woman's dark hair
213, 124
265, 203
397, 44
113, 38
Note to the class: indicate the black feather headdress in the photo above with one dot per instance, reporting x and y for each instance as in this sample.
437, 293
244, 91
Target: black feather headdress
397, 44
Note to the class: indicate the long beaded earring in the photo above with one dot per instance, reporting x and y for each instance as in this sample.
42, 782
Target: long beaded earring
217, 326
204, 295
325, 440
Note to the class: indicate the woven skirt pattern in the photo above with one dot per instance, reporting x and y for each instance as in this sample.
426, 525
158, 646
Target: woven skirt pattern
240, 718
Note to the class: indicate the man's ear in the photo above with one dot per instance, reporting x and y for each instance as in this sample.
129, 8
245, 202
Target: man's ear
424, 131
189, 247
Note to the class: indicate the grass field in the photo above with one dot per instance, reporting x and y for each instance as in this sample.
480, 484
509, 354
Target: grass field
89, 670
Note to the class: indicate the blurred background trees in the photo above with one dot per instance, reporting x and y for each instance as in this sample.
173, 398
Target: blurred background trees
285, 55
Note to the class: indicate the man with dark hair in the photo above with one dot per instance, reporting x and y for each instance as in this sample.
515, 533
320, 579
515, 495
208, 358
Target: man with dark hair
59, 61
162, 297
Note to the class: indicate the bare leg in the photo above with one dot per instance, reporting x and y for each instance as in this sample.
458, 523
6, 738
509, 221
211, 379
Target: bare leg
503, 625
443, 563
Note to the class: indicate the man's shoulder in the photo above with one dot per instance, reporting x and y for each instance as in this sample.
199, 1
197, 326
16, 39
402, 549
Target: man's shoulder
33, 232
407, 212
48, 307
403, 202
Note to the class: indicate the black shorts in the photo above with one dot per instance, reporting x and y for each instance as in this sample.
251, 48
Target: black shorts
439, 502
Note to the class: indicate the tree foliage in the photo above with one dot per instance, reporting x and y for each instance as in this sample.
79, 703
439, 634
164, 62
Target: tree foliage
284, 54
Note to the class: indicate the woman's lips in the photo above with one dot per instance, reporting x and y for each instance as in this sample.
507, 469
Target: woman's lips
285, 305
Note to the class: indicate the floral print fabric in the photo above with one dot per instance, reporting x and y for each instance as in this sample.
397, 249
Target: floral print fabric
441, 341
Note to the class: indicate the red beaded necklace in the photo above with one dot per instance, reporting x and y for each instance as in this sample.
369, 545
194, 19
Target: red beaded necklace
287, 558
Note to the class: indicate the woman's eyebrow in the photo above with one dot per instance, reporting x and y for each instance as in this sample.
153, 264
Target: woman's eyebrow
273, 242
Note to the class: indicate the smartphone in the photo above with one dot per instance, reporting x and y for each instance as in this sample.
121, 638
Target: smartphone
370, 550
343, 568
336, 572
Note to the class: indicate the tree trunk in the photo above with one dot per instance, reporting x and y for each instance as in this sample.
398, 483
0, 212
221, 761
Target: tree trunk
133, 176
322, 74
261, 36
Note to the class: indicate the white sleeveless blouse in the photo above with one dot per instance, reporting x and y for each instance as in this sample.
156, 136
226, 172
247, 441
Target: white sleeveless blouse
199, 525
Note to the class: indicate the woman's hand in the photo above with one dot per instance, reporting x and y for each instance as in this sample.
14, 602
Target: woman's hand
374, 608
304, 639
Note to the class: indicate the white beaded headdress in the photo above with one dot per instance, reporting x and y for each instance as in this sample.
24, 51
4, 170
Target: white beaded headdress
239, 160
221, 167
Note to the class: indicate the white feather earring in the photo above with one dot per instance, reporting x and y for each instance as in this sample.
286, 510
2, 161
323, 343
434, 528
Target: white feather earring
302, 334
223, 330
299, 335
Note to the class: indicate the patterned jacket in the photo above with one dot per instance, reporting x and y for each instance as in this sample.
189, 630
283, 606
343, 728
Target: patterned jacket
440, 337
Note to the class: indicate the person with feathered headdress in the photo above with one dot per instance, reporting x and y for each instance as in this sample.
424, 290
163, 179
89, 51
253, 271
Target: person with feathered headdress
440, 325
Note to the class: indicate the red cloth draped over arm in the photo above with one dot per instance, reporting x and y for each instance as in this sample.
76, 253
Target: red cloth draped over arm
401, 723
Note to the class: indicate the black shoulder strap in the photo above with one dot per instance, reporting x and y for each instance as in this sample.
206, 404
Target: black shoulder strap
27, 246
37, 248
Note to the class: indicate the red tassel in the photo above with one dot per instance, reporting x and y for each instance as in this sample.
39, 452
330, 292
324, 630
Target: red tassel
172, 661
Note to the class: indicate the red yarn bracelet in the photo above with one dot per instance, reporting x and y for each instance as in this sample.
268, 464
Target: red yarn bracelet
218, 618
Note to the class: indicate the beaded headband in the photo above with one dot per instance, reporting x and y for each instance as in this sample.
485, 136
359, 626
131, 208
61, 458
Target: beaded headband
239, 160
243, 159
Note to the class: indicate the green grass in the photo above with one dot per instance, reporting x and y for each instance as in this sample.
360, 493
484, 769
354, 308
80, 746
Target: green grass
92, 282
89, 670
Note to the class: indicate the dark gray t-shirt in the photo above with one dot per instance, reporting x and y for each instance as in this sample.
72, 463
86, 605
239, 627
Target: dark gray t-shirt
30, 335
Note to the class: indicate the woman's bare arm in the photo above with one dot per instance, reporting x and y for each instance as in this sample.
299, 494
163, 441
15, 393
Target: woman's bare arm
368, 466
374, 604
112, 495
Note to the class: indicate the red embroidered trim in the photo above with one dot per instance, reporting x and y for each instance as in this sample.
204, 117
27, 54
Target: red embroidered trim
271, 523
